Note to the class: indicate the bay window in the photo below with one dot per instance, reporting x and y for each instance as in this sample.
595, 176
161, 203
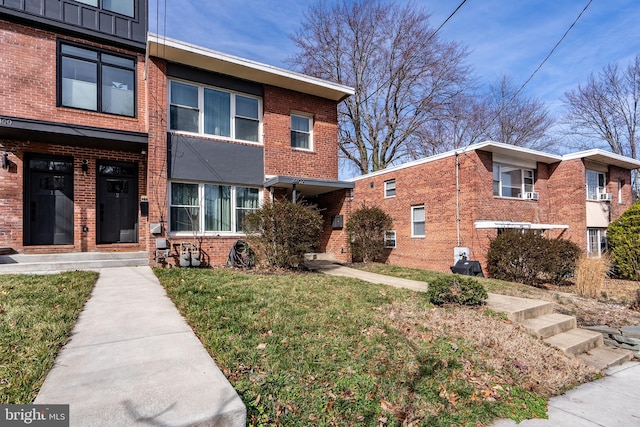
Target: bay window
210, 208
210, 111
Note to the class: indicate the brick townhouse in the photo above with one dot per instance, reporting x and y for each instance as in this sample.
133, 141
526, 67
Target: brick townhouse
454, 203
111, 138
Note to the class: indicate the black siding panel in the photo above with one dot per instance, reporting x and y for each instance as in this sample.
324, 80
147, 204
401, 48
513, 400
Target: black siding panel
89, 19
33, 6
81, 20
53, 9
214, 79
213, 161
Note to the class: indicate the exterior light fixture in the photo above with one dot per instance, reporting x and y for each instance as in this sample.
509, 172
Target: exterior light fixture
5, 161
85, 167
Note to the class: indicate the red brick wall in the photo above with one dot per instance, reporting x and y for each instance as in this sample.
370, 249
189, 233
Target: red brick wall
84, 189
28, 90
562, 200
279, 157
335, 241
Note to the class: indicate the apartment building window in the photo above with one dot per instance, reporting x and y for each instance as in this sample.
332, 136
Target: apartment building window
210, 111
596, 241
417, 221
390, 188
301, 132
510, 181
390, 239
123, 7
596, 184
620, 188
96, 80
213, 208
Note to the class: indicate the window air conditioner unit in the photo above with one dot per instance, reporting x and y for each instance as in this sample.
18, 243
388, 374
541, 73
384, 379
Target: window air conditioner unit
605, 197
531, 195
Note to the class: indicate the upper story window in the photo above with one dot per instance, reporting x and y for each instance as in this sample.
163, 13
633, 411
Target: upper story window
596, 184
510, 181
301, 131
201, 207
96, 80
390, 188
123, 7
210, 111
417, 221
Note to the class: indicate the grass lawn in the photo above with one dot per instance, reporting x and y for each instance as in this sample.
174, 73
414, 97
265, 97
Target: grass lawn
37, 314
309, 349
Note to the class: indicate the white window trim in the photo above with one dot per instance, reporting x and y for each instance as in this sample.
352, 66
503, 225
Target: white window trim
233, 115
602, 237
201, 207
599, 190
523, 191
304, 116
413, 209
387, 239
620, 187
386, 188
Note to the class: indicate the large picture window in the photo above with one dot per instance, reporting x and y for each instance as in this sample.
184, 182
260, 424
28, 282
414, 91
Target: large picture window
223, 207
511, 181
209, 111
96, 80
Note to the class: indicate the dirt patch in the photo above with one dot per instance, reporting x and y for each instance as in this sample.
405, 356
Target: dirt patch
503, 347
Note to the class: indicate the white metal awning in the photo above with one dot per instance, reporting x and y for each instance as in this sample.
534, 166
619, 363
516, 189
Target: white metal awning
521, 225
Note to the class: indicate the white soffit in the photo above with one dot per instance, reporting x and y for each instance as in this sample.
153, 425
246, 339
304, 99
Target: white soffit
604, 157
483, 224
196, 56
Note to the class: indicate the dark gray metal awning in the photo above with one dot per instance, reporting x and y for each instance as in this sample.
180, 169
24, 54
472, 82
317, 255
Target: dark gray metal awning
307, 186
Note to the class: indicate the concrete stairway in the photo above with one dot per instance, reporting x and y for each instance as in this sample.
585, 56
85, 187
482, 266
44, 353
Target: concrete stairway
50, 263
559, 330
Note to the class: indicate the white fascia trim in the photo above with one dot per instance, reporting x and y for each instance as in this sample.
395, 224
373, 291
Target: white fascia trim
483, 224
242, 62
490, 145
597, 152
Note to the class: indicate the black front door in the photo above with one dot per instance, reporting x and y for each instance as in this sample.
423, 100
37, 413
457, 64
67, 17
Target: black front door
117, 202
49, 201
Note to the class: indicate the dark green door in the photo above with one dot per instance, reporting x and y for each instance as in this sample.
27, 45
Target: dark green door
49, 201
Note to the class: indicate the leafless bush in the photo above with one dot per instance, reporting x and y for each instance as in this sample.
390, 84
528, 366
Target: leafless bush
591, 274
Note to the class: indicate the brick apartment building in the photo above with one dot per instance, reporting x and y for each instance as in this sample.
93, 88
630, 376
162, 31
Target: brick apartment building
456, 202
111, 138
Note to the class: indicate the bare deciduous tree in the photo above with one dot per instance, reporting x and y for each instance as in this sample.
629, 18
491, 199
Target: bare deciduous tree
606, 109
519, 119
404, 76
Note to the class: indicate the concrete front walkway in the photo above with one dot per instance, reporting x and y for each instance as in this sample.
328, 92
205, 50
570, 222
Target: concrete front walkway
133, 360
609, 402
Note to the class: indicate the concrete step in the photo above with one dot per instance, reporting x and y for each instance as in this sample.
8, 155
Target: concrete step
47, 263
605, 357
576, 341
519, 309
547, 325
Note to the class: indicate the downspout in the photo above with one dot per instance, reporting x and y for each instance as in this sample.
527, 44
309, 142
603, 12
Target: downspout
458, 197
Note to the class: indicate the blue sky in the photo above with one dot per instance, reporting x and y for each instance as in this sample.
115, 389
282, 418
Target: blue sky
503, 36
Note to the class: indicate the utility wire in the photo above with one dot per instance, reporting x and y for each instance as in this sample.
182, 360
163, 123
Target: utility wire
513, 97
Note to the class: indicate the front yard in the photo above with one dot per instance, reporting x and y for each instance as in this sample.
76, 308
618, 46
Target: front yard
37, 314
309, 349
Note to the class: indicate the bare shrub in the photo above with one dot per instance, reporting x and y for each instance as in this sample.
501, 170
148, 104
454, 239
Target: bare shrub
591, 274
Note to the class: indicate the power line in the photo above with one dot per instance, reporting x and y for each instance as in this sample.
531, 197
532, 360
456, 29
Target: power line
513, 97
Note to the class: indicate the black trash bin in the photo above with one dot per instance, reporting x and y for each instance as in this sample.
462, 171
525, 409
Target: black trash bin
468, 268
